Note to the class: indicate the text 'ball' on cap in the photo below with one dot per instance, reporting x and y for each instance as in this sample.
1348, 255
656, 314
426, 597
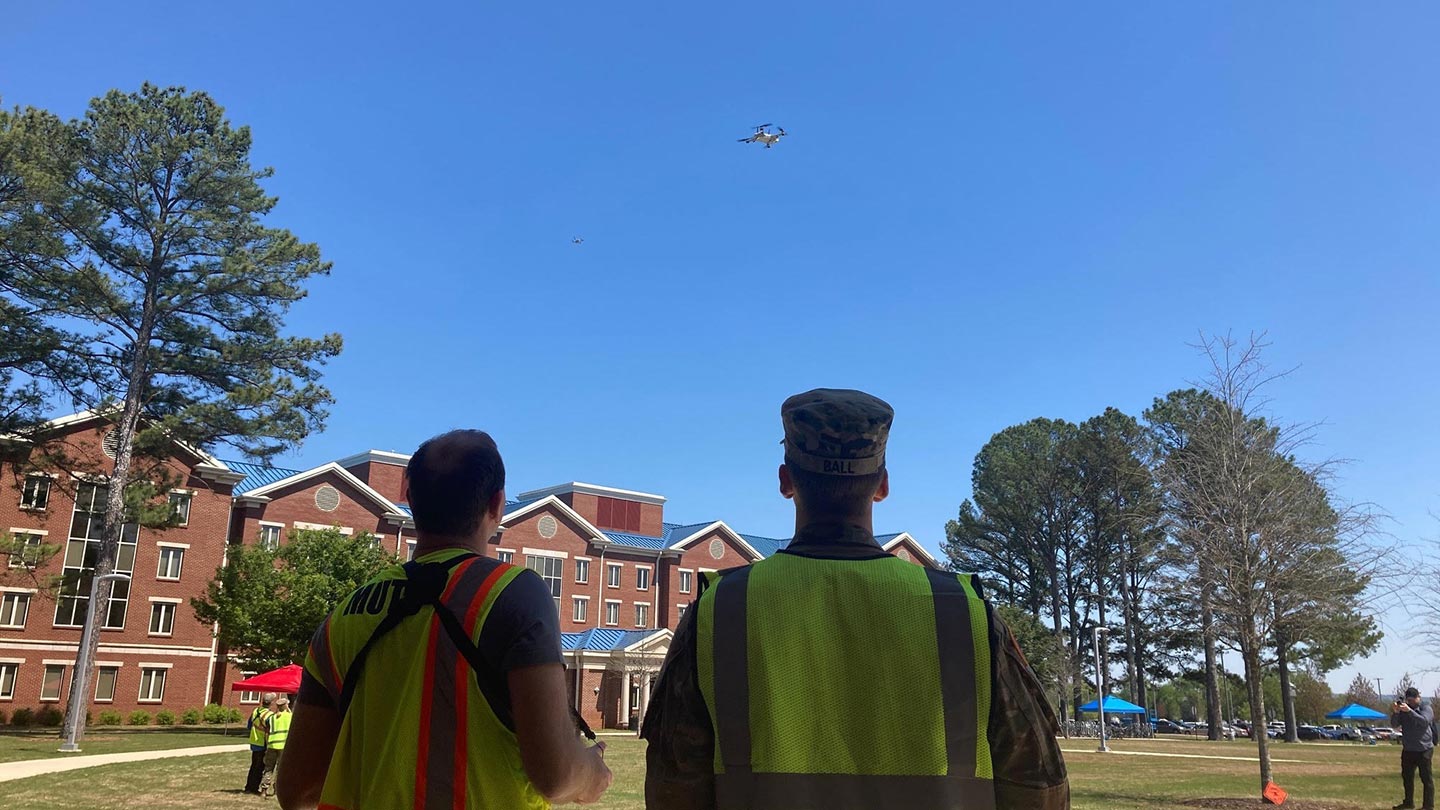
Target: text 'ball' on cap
836, 431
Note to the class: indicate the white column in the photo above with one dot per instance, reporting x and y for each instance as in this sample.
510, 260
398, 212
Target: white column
644, 694
625, 698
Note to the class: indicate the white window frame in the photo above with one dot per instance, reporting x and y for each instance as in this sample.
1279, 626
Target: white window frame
49, 479
187, 495
680, 608
642, 622
582, 563
249, 697
646, 573
686, 580
13, 666
409, 550
173, 548
581, 605
28, 594
39, 536
279, 534
100, 665
164, 669
618, 571
509, 555
156, 601
612, 605
60, 690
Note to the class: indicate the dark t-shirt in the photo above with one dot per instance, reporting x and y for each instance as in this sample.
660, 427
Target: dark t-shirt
521, 630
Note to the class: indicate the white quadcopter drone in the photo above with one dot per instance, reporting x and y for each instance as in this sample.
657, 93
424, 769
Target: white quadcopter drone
765, 136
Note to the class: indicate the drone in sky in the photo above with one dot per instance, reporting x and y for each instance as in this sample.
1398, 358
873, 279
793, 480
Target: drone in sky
577, 240
765, 136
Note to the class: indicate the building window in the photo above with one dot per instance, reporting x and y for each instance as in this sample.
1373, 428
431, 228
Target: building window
50, 684
8, 675
270, 537
171, 560
505, 556
35, 493
26, 553
685, 579
642, 579
14, 607
612, 575
582, 609
105, 678
162, 618
81, 554
409, 550
249, 697
642, 615
680, 610
180, 505
550, 569
582, 571
612, 613
152, 685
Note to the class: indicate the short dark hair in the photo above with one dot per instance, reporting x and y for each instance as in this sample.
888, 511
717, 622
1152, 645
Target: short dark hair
1412, 692
835, 495
453, 477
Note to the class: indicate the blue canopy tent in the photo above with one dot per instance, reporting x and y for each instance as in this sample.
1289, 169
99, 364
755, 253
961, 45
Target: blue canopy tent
1114, 705
1355, 712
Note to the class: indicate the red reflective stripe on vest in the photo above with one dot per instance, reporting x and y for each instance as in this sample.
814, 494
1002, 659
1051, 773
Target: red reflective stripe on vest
426, 699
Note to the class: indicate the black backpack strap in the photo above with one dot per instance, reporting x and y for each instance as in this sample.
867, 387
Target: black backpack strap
423, 584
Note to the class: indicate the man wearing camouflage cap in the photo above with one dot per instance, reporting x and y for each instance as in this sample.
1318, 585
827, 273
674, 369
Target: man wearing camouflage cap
833, 675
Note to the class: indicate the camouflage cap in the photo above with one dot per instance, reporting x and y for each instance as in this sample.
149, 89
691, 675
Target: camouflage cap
836, 431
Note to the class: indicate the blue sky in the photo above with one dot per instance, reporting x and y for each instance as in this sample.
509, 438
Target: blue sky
981, 214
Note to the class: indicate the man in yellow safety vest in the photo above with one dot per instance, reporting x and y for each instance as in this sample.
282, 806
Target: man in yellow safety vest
277, 729
256, 726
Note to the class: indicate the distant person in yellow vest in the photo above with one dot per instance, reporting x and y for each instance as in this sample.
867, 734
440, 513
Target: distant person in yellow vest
277, 729
834, 676
440, 683
256, 726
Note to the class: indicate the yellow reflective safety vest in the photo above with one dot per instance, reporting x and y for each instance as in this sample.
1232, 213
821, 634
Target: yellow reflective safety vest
279, 729
257, 726
846, 684
418, 732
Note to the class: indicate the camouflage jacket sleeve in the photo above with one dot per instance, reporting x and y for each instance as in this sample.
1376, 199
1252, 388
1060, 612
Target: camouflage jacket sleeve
1025, 756
680, 759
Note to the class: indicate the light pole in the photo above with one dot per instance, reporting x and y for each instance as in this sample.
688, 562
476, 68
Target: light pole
1100, 684
80, 684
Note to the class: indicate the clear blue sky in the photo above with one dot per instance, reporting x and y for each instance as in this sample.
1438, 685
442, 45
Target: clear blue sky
981, 214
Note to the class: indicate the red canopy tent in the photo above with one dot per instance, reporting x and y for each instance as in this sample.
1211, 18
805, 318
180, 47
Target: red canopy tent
285, 680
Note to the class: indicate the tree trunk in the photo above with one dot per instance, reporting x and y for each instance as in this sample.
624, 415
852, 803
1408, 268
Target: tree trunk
1127, 615
1212, 674
1250, 652
1287, 694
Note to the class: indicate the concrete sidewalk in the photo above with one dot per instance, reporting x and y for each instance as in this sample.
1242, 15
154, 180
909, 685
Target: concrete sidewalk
34, 767
1178, 756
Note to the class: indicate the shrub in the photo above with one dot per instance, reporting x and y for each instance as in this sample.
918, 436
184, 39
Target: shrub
139, 717
111, 718
190, 717
233, 715
215, 714
164, 718
49, 716
23, 718
2, 718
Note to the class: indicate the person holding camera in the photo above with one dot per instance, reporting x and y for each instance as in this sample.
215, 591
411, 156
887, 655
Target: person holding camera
1416, 722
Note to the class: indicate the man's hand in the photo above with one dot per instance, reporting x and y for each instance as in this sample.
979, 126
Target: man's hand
1403, 707
602, 777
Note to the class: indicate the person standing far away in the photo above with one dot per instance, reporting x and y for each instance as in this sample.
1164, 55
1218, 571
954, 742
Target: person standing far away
277, 730
439, 683
256, 726
834, 676
1416, 722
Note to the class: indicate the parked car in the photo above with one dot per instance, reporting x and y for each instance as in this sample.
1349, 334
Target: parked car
1345, 733
1164, 726
1309, 732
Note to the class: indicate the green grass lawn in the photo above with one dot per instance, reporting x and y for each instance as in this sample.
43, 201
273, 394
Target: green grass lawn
38, 744
1327, 777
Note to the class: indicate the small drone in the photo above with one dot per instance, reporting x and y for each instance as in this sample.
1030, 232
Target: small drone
765, 136
577, 240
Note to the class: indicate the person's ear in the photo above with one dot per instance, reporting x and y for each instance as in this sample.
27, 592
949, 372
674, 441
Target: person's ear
883, 491
787, 486
496, 508
405, 488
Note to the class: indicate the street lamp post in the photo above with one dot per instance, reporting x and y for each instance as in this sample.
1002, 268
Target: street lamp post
1100, 684
80, 683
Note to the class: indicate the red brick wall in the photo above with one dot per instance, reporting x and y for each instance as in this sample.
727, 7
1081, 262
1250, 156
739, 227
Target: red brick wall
186, 649
696, 556
912, 552
297, 503
383, 478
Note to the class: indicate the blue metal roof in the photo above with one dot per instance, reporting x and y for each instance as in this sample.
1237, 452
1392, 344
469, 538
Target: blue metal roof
257, 475
765, 545
516, 506
602, 639
405, 507
675, 532
882, 539
635, 540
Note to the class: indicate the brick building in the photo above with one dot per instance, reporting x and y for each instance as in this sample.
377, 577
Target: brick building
621, 574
